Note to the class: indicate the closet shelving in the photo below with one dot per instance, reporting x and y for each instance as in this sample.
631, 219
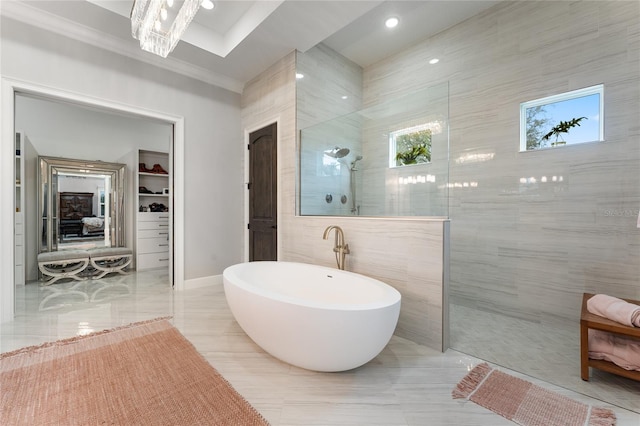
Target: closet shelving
154, 235
19, 199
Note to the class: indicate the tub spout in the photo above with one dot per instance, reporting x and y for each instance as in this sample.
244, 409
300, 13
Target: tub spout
340, 248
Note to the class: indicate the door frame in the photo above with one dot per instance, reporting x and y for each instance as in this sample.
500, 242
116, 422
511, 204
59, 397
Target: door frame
247, 133
9, 87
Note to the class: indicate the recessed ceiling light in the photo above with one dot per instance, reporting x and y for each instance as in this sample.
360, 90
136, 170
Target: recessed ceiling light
207, 4
345, 97
299, 75
434, 61
391, 22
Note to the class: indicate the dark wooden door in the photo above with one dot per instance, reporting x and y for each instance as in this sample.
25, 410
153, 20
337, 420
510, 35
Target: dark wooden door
263, 194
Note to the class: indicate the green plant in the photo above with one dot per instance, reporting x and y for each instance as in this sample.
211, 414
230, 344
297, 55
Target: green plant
563, 127
414, 147
411, 156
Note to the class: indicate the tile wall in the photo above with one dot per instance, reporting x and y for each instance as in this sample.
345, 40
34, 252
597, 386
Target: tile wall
531, 249
330, 87
522, 248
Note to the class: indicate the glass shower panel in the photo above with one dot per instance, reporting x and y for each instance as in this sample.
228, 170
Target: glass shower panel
368, 180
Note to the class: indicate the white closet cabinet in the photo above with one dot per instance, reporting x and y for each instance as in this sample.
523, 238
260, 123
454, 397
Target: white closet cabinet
154, 231
19, 197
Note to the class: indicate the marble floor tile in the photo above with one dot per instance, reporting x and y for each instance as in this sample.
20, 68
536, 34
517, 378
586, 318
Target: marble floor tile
549, 351
407, 384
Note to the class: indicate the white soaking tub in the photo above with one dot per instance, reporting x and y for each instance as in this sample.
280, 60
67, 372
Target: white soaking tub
311, 316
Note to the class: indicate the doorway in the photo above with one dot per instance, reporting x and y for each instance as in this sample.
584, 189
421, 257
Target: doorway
70, 142
11, 89
263, 194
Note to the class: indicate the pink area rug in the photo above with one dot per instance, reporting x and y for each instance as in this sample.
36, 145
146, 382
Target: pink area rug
525, 403
143, 374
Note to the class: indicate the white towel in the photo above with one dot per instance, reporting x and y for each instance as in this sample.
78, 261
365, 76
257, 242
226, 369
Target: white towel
615, 309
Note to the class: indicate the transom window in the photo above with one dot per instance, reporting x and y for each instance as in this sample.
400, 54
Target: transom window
411, 145
564, 119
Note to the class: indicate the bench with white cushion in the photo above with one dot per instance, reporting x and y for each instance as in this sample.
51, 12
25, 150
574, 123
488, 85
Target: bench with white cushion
109, 259
63, 264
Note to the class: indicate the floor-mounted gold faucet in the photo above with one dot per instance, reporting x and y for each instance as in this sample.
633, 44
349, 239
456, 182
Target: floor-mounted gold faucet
340, 248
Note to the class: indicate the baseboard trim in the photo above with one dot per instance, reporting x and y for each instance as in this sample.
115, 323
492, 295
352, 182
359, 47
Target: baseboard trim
209, 281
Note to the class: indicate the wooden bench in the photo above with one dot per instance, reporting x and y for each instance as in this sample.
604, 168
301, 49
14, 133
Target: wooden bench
596, 322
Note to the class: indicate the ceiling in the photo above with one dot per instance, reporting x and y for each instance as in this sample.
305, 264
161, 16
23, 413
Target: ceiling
237, 40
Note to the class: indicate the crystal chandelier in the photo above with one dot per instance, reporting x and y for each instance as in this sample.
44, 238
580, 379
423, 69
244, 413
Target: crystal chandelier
158, 24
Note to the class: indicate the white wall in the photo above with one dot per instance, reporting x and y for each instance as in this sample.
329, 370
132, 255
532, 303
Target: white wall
61, 129
213, 176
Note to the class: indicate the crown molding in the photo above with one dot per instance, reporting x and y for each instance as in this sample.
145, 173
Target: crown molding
31, 15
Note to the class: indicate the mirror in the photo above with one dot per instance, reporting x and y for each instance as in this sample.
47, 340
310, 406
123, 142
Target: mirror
82, 204
390, 159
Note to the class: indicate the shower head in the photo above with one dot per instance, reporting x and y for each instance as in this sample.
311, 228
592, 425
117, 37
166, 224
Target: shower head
337, 152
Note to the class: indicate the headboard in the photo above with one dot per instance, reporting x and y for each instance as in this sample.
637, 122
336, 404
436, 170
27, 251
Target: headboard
75, 205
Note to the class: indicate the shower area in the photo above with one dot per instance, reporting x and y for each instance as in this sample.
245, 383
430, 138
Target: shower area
362, 163
333, 166
530, 232
348, 142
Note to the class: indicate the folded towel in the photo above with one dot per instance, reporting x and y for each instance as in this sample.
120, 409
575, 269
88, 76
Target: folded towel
615, 309
622, 351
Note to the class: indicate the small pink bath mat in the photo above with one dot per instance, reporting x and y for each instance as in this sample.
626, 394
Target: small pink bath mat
525, 403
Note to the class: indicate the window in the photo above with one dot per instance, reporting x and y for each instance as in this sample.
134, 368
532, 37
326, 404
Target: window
565, 119
102, 203
411, 145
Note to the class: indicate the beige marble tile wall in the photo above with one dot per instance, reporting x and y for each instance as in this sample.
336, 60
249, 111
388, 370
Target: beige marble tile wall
329, 89
405, 253
531, 250
423, 190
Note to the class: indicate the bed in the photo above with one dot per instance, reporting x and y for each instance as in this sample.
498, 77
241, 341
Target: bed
75, 211
92, 226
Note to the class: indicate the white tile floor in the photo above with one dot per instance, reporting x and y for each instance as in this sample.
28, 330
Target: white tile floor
407, 384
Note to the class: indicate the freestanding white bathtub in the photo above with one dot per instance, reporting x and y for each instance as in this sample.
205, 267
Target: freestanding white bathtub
311, 316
